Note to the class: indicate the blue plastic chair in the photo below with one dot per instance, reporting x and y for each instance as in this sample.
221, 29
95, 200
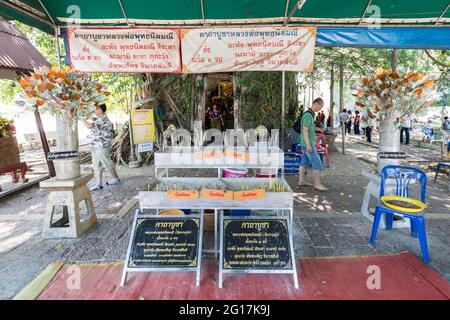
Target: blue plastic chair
403, 176
439, 166
428, 131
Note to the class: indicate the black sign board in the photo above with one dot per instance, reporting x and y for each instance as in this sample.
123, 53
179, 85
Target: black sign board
257, 244
62, 155
165, 243
392, 155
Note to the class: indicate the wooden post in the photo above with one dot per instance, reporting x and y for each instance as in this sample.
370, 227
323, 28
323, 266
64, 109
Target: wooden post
332, 95
341, 102
236, 100
58, 50
283, 106
201, 106
341, 87
51, 168
394, 60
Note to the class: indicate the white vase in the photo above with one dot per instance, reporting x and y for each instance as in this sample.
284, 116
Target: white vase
389, 140
67, 140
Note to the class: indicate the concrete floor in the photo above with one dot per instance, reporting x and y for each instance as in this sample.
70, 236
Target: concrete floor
326, 223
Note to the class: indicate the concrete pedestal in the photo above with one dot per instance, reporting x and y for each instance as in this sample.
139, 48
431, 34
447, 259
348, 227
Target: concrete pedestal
373, 190
68, 195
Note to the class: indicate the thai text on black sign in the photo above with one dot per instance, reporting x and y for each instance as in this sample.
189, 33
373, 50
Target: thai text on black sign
392, 155
165, 242
257, 244
62, 155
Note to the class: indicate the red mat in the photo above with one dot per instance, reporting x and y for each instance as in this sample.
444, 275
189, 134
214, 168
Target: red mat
403, 276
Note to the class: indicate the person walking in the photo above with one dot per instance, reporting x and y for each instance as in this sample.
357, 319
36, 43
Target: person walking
349, 121
446, 124
366, 124
406, 127
310, 156
344, 118
102, 133
330, 121
446, 133
357, 122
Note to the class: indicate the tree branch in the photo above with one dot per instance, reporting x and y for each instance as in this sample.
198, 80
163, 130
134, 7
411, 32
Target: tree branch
436, 60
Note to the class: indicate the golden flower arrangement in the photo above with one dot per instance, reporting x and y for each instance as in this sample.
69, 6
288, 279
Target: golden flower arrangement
388, 91
63, 92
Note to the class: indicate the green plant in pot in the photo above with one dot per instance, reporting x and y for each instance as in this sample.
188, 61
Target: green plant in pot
69, 96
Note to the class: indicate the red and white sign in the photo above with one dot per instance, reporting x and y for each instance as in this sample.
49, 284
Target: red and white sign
125, 50
248, 49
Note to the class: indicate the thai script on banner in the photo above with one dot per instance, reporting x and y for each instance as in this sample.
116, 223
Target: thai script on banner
125, 50
248, 49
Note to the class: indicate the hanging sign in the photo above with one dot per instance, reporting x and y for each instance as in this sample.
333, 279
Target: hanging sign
248, 49
124, 50
143, 126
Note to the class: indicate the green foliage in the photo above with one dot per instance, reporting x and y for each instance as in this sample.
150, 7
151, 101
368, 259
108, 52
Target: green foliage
125, 89
261, 99
8, 89
44, 42
184, 91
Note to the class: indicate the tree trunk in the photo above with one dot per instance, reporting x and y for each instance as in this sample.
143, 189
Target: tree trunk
283, 107
341, 87
332, 96
394, 60
389, 140
236, 101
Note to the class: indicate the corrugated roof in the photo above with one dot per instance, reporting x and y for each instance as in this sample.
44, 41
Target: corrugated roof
16, 51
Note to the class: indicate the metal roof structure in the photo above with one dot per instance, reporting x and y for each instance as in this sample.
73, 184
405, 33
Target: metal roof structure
17, 54
50, 14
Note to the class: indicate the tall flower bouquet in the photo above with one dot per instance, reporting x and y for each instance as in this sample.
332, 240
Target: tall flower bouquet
62, 92
69, 96
393, 98
388, 92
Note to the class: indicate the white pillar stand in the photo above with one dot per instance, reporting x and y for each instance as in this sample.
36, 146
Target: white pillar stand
373, 189
68, 194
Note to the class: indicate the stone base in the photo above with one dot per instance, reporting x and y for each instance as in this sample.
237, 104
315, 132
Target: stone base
373, 189
68, 194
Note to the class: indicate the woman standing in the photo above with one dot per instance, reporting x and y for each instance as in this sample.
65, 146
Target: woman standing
356, 122
216, 118
349, 121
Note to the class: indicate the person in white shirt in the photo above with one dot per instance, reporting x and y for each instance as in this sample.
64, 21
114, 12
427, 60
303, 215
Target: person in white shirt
367, 125
344, 119
406, 127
